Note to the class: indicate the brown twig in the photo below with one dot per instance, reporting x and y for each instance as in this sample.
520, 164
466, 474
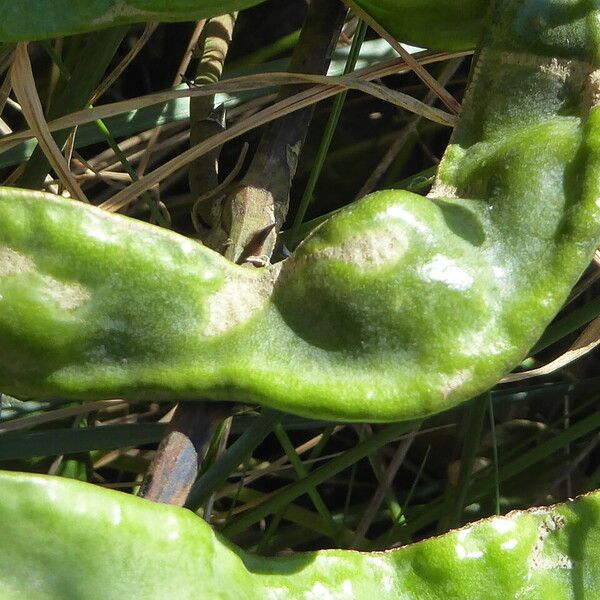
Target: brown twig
261, 201
181, 452
176, 463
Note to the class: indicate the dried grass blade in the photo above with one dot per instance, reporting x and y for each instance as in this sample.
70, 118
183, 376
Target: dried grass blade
249, 82
585, 343
26, 92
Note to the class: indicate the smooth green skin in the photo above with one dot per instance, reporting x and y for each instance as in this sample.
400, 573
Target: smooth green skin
396, 308
28, 20
67, 540
435, 24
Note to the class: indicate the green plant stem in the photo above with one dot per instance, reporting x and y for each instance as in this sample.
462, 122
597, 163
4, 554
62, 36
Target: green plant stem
379, 469
302, 472
456, 496
494, 455
278, 517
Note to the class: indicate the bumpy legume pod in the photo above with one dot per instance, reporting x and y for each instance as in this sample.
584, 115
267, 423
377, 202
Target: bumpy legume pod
66, 539
41, 19
397, 307
436, 24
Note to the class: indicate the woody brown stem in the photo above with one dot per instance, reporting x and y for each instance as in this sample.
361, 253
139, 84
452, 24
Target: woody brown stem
262, 199
181, 452
251, 218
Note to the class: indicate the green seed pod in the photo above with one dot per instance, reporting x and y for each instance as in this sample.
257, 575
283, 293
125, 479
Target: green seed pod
435, 24
397, 307
66, 539
28, 20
